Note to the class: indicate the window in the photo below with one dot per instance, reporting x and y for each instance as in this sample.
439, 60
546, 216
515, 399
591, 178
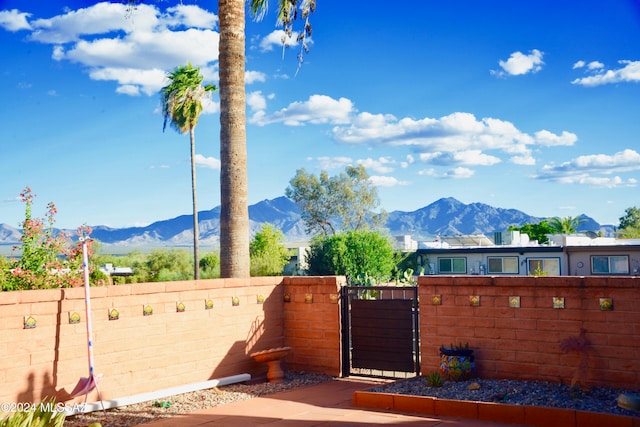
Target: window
452, 265
543, 266
610, 264
505, 265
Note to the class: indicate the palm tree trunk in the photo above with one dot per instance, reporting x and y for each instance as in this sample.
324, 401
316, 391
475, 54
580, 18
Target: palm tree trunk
196, 232
234, 214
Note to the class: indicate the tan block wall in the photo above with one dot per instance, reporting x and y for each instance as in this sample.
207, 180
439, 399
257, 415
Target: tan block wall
312, 329
136, 353
524, 343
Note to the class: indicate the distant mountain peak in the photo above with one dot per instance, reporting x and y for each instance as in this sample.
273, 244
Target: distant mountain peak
445, 216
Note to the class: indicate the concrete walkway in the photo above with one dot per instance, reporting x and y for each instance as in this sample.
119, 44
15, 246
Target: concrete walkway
325, 404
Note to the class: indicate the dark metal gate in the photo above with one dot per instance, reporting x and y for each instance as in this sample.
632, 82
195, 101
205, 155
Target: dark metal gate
380, 335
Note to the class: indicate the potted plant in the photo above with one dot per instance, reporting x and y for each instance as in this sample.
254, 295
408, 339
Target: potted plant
457, 362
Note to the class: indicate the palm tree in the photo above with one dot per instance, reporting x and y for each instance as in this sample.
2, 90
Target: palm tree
181, 107
234, 213
566, 225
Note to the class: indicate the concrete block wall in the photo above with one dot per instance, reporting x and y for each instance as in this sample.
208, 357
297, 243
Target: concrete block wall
136, 353
312, 327
524, 342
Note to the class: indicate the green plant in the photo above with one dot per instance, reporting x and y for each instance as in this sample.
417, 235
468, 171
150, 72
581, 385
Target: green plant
37, 415
459, 346
48, 259
268, 252
434, 379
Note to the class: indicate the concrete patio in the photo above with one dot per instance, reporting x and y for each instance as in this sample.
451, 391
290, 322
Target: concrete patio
326, 404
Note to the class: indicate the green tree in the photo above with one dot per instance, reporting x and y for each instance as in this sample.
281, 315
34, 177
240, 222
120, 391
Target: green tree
210, 265
234, 213
168, 265
181, 107
537, 231
365, 257
565, 225
631, 218
343, 202
268, 253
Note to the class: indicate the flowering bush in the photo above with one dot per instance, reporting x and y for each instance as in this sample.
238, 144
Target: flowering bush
48, 260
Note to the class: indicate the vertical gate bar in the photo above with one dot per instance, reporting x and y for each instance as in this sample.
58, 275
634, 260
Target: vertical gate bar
346, 334
416, 328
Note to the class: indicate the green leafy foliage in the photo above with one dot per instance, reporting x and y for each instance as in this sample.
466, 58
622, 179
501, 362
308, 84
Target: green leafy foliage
38, 415
630, 224
566, 225
364, 257
330, 204
210, 265
268, 252
48, 259
537, 231
434, 379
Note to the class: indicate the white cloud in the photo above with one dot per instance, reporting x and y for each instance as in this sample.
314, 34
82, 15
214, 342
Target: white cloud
114, 42
459, 173
207, 162
386, 181
455, 173
629, 72
595, 169
548, 139
329, 163
256, 101
254, 76
520, 63
318, 109
458, 138
14, 20
380, 165
276, 39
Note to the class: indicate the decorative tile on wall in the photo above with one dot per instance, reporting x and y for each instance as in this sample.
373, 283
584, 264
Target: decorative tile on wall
29, 322
74, 317
180, 307
333, 298
474, 300
558, 302
147, 310
114, 314
208, 304
235, 301
287, 297
260, 299
308, 298
606, 304
514, 301
436, 299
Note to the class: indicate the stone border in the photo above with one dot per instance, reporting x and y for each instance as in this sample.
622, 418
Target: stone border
535, 416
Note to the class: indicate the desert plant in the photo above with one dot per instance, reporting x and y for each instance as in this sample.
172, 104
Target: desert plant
434, 379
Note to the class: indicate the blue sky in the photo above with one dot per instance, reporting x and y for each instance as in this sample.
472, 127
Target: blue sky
531, 105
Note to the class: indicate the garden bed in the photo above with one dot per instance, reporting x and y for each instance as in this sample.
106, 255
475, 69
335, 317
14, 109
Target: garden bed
532, 403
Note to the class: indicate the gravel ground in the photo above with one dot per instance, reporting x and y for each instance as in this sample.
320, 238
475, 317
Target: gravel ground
534, 393
145, 412
600, 399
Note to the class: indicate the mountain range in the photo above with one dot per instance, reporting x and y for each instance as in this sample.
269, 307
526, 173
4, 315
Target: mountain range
446, 216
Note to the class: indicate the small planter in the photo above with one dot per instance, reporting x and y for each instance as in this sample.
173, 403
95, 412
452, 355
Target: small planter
457, 364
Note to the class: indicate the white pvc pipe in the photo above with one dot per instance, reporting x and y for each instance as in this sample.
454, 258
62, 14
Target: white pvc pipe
80, 408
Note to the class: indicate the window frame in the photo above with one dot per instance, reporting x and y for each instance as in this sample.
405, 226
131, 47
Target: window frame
609, 265
543, 260
502, 264
452, 259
